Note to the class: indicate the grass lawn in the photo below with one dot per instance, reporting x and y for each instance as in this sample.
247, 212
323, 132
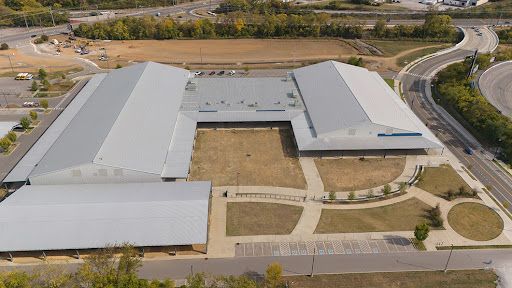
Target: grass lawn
439, 180
402, 216
408, 58
475, 221
261, 218
425, 279
392, 48
259, 158
349, 174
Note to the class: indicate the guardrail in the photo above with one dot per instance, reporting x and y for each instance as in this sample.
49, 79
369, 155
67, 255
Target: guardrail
271, 196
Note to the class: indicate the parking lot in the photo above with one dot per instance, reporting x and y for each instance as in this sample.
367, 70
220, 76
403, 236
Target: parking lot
390, 245
11, 90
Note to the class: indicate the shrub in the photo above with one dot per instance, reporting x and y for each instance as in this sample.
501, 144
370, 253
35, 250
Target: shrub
25, 122
33, 115
402, 187
450, 195
435, 216
44, 103
119, 66
11, 136
355, 61
421, 231
351, 195
370, 194
5, 143
34, 86
332, 196
42, 73
44, 37
4, 46
386, 189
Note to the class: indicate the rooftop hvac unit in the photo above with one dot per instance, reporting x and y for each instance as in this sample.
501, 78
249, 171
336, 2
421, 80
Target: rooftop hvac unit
292, 103
292, 95
289, 76
191, 86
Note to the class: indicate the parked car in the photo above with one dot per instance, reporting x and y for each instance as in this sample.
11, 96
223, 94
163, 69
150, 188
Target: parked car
232, 72
212, 73
221, 72
30, 104
468, 150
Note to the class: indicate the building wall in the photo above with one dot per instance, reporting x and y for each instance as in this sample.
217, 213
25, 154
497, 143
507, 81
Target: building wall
93, 174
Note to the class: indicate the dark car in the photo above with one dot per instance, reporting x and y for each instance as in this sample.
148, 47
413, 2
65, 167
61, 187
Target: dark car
211, 73
33, 36
468, 150
221, 72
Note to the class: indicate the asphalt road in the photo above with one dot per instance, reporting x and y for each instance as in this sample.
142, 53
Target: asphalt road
26, 141
454, 137
496, 85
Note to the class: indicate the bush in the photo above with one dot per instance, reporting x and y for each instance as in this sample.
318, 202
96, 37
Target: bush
33, 115
119, 66
44, 37
25, 123
386, 189
355, 61
421, 232
44, 103
34, 86
5, 143
370, 194
435, 216
332, 196
351, 195
402, 187
4, 46
42, 73
11, 136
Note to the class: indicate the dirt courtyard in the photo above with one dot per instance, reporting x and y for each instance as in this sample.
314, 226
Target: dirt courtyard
350, 174
260, 157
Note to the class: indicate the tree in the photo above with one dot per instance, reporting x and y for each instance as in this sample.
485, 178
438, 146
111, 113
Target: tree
33, 115
386, 189
332, 196
273, 275
379, 30
355, 61
44, 103
34, 86
25, 122
402, 187
4, 46
44, 37
42, 73
5, 143
421, 232
234, 282
370, 193
11, 136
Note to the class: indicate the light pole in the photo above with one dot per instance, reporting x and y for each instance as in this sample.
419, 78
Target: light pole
313, 262
497, 149
448, 260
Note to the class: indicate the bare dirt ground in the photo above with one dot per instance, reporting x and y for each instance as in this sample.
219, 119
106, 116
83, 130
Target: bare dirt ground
350, 174
262, 157
22, 62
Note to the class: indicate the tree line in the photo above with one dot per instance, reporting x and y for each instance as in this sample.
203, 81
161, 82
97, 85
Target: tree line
505, 35
457, 92
105, 269
246, 25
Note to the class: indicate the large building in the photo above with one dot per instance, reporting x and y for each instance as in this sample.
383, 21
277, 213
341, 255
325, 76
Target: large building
97, 175
137, 124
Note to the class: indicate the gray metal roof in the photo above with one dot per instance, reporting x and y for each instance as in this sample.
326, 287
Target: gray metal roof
339, 96
141, 134
33, 157
108, 129
241, 94
55, 217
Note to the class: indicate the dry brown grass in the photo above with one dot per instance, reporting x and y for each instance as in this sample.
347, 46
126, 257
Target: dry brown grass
259, 218
351, 174
27, 63
475, 221
430, 279
439, 180
262, 157
402, 216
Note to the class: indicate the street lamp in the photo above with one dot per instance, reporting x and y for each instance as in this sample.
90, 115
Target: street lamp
497, 149
448, 261
313, 262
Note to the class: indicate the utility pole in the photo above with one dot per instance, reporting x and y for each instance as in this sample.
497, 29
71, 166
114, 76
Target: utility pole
53, 20
10, 62
448, 261
201, 54
313, 263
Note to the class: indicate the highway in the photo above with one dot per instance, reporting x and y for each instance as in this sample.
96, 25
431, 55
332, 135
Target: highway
416, 89
496, 85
